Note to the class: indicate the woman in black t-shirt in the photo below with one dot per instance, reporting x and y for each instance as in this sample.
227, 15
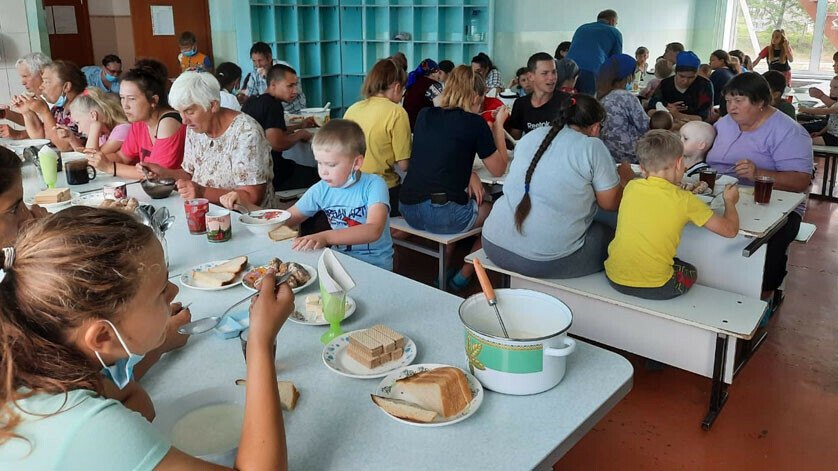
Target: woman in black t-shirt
441, 193
778, 53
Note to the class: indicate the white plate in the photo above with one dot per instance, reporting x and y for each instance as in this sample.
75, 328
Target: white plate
168, 414
52, 207
384, 388
312, 273
299, 317
186, 277
337, 359
719, 187
20, 144
93, 199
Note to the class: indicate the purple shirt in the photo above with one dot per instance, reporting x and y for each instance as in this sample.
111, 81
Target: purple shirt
780, 144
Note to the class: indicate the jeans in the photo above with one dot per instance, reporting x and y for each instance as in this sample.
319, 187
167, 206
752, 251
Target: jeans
448, 218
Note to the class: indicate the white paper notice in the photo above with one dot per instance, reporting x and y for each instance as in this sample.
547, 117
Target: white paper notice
162, 20
48, 17
64, 17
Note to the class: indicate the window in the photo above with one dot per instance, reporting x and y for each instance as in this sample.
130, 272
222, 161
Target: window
811, 27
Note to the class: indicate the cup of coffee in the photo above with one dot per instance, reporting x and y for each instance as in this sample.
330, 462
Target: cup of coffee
115, 191
196, 210
79, 172
762, 189
708, 175
219, 225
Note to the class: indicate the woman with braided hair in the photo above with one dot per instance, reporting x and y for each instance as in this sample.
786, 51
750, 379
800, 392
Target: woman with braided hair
543, 224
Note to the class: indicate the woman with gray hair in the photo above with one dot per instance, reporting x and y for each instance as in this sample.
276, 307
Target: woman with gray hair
567, 71
29, 69
225, 150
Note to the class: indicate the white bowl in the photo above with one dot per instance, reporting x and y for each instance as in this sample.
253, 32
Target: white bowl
263, 226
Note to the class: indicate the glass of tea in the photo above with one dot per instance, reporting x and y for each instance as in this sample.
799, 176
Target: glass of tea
708, 175
762, 189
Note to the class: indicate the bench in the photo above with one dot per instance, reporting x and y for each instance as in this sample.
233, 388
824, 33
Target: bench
442, 241
829, 154
696, 332
805, 233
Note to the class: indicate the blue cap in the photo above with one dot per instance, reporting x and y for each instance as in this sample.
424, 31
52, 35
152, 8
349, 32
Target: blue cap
626, 65
687, 61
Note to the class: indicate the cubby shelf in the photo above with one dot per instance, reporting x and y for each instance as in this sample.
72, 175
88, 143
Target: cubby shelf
333, 43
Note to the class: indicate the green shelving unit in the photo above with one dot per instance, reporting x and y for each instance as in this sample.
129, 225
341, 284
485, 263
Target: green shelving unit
333, 43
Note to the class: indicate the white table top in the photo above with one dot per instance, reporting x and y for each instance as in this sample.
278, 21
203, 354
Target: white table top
336, 426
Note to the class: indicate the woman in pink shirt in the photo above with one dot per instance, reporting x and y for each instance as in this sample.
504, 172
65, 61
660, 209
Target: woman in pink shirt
156, 134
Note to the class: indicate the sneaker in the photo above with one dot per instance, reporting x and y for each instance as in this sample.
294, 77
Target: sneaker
458, 282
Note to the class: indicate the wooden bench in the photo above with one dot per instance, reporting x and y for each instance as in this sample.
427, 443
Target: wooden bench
696, 332
829, 154
441, 240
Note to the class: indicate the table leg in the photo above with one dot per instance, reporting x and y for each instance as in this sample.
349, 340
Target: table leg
718, 395
825, 174
832, 176
442, 267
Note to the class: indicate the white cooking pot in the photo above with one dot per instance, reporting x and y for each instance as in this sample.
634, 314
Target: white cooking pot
533, 359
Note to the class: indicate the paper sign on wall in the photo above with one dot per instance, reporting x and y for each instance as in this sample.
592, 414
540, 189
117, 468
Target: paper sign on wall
64, 18
48, 17
162, 20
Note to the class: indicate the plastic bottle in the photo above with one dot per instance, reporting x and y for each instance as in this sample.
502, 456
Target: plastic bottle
474, 33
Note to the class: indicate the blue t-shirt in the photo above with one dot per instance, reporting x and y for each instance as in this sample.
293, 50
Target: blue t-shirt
347, 207
93, 74
592, 43
91, 433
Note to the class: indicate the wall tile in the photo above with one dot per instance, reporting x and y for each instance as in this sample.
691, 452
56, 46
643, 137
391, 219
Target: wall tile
4, 87
15, 87
15, 45
13, 19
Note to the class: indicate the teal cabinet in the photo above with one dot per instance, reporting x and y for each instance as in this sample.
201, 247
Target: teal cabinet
333, 43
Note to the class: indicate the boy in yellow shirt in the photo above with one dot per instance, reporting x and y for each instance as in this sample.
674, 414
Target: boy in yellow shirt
653, 212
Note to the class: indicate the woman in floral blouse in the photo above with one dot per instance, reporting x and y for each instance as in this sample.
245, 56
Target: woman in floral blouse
225, 150
625, 121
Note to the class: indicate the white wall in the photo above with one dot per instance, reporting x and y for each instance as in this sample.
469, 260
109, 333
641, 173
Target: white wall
524, 27
111, 31
19, 35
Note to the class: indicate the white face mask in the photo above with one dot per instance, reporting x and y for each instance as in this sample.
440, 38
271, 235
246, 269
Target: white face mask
354, 176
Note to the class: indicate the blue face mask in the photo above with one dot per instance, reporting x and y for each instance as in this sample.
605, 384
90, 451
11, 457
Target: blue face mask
353, 179
62, 100
121, 372
190, 52
111, 78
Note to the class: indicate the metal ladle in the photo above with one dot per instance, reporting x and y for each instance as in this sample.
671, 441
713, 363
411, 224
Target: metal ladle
489, 292
208, 323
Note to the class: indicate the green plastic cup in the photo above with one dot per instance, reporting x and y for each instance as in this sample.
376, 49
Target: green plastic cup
48, 161
334, 310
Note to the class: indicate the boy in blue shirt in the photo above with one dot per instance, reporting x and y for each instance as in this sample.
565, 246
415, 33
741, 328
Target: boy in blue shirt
357, 204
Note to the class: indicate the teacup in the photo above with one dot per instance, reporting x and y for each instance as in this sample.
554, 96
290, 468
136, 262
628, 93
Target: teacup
219, 225
196, 210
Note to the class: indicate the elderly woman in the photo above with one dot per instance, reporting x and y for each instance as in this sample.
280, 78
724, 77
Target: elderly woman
156, 135
756, 140
62, 82
29, 69
625, 121
225, 150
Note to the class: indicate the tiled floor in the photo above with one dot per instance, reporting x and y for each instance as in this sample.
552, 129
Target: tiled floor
782, 412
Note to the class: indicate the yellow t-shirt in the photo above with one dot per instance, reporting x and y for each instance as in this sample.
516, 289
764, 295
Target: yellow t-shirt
387, 131
652, 216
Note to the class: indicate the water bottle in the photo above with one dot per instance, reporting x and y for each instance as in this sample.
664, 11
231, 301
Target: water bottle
474, 33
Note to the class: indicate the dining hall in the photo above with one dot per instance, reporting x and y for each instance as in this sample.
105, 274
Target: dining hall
484, 234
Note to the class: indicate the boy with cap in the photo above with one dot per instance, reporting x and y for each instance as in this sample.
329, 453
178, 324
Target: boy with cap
688, 96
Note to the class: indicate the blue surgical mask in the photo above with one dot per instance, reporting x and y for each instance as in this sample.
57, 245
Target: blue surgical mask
353, 179
121, 372
111, 78
235, 91
62, 100
190, 52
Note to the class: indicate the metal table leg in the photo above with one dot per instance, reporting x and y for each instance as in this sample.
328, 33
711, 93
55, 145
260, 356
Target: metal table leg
718, 395
832, 176
442, 267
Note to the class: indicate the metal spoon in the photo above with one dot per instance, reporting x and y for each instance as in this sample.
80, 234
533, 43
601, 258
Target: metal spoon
208, 323
167, 224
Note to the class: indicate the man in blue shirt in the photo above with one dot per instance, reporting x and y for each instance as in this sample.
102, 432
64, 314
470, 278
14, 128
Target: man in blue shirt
592, 43
105, 77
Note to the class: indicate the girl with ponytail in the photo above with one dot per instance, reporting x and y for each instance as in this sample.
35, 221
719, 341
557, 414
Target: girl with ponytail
543, 224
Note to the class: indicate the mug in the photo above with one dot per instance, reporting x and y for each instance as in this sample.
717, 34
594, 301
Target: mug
115, 191
219, 225
196, 210
79, 172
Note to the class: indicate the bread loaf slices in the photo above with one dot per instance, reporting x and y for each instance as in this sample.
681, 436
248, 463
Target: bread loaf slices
206, 279
404, 410
439, 390
230, 266
282, 233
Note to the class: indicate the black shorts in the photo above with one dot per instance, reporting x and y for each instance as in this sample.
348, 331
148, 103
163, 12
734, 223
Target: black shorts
830, 140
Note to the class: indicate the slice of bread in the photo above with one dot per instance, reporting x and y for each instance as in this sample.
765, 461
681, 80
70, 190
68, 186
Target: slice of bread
282, 233
440, 391
230, 266
404, 410
459, 377
288, 395
205, 279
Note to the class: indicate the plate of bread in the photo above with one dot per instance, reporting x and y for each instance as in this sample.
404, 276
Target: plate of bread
217, 275
313, 311
429, 395
52, 199
369, 353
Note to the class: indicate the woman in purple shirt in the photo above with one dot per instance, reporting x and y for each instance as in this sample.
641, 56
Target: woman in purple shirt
754, 139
